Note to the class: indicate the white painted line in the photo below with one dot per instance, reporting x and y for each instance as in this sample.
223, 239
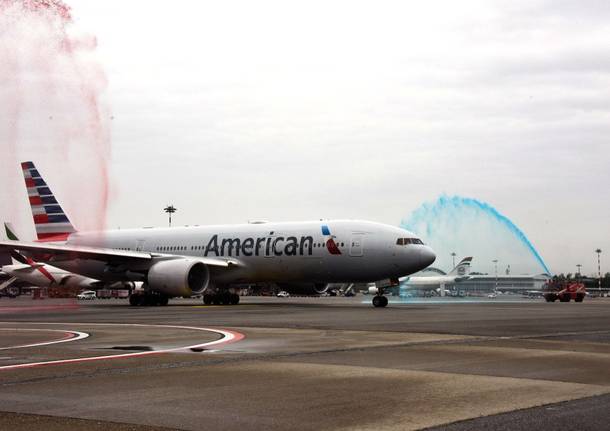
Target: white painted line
73, 336
228, 336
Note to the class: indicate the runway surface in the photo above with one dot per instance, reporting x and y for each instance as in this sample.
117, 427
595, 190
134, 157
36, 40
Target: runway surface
305, 363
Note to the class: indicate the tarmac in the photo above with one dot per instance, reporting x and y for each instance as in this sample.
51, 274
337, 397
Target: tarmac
305, 363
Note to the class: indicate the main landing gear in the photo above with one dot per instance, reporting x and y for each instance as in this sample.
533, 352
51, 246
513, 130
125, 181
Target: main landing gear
380, 301
221, 298
148, 298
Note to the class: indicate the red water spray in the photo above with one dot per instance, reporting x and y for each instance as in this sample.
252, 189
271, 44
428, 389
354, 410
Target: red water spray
52, 110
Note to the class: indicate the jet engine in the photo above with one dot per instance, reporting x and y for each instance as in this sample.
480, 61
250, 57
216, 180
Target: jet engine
178, 277
305, 288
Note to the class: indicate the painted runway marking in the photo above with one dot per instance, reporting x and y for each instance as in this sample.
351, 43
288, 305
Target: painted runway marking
71, 336
228, 336
58, 307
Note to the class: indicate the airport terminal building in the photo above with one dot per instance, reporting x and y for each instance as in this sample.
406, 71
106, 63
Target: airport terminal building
504, 283
482, 284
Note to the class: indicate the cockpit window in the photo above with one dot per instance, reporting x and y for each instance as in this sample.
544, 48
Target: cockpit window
407, 241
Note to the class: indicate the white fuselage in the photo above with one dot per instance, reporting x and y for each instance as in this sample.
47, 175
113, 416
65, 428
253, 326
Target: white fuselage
434, 281
268, 252
47, 276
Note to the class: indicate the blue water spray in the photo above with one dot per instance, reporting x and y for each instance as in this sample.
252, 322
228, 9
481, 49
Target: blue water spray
449, 213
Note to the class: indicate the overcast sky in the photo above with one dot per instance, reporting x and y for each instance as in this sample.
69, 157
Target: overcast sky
286, 110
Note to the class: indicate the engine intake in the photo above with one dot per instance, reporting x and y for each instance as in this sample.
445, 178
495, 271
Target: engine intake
178, 277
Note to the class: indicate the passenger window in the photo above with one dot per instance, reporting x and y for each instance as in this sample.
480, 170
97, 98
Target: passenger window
400, 241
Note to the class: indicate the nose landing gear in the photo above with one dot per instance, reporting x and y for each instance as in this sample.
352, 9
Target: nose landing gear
380, 301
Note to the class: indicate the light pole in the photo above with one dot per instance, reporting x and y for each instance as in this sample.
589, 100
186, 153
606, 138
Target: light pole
495, 261
170, 209
599, 269
453, 256
578, 266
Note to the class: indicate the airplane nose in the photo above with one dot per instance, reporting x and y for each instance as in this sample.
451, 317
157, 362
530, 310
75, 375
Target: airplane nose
426, 257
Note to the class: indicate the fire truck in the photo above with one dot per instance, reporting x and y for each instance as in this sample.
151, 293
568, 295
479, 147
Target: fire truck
565, 291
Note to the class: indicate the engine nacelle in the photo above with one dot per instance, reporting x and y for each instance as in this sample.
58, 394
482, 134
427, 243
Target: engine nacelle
305, 288
178, 277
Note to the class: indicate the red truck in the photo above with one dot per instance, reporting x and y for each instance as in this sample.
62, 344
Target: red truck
565, 291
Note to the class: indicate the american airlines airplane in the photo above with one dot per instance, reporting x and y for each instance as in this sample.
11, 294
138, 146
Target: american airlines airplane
208, 260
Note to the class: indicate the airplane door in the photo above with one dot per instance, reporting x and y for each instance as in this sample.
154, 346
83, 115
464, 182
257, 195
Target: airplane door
356, 247
140, 244
269, 251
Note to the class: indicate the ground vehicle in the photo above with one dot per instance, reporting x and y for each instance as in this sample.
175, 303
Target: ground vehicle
86, 295
564, 291
283, 294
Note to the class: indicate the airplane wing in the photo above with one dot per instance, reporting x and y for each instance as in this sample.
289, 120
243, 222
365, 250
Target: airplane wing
7, 283
110, 256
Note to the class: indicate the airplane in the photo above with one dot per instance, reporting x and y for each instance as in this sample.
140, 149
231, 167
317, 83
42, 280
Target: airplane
456, 275
208, 260
44, 275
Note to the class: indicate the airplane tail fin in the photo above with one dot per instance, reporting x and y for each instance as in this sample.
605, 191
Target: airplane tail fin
462, 268
50, 220
11, 235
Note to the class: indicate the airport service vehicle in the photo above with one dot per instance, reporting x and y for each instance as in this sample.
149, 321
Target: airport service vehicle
86, 295
112, 294
565, 291
208, 260
283, 294
492, 296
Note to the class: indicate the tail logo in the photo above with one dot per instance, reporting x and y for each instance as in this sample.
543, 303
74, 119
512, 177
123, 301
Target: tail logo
329, 240
50, 219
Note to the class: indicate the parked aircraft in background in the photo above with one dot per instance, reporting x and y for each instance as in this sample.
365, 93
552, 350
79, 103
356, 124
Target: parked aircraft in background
207, 260
44, 275
437, 282
459, 273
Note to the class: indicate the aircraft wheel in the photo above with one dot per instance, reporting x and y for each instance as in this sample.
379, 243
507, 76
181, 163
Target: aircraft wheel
233, 299
380, 301
163, 300
225, 298
135, 299
216, 300
132, 300
208, 299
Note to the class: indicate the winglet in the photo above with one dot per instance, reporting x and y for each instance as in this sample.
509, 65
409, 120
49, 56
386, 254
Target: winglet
50, 220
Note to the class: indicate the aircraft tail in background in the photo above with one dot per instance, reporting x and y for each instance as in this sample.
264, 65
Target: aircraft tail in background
462, 268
